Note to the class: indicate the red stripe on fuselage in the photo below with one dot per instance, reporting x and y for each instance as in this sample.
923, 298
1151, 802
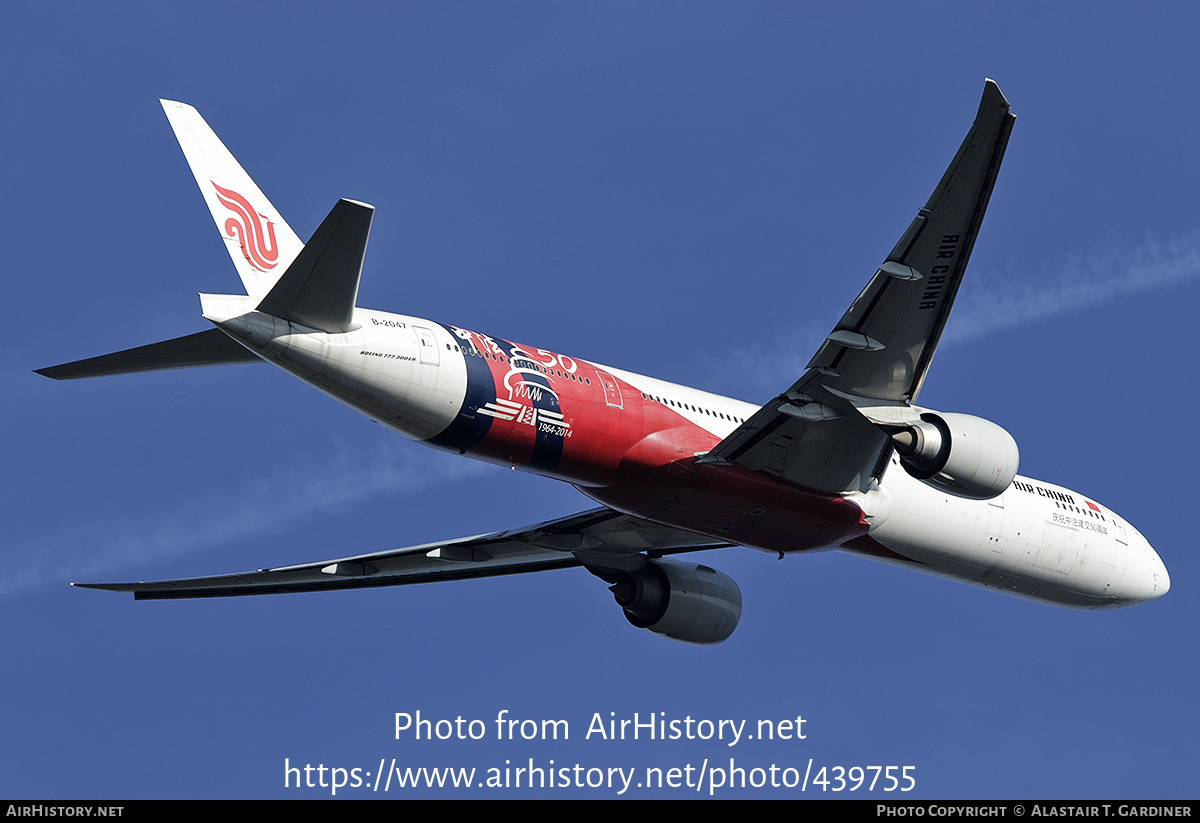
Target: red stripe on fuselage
639, 456
597, 428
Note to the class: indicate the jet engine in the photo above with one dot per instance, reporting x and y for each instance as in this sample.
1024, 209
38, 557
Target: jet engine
683, 601
958, 453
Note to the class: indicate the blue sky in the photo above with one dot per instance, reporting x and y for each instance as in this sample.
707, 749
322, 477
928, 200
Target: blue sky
694, 191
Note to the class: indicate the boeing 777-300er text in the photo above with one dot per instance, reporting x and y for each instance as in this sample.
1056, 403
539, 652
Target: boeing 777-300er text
843, 459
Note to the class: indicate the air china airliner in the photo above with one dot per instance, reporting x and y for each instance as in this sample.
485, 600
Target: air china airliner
843, 459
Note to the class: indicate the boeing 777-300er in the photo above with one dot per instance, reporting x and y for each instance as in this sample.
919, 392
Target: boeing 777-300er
843, 459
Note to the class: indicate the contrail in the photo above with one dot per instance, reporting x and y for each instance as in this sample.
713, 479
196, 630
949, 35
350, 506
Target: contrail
996, 303
287, 496
988, 303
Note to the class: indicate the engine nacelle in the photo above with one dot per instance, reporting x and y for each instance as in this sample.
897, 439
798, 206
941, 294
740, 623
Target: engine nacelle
683, 601
964, 455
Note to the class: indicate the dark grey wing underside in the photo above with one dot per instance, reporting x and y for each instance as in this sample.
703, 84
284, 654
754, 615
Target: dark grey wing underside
904, 307
598, 539
880, 351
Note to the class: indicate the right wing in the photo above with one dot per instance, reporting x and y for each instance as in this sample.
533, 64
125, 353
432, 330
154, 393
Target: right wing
879, 353
599, 539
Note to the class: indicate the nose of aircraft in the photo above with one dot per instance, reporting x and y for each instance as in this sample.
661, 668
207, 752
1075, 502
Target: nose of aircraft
1151, 580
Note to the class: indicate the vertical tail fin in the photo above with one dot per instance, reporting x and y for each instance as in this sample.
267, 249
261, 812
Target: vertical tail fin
258, 239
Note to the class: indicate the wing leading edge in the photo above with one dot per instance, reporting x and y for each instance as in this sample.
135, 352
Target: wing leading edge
879, 352
599, 539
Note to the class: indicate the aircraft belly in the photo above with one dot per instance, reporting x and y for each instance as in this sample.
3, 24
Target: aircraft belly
733, 504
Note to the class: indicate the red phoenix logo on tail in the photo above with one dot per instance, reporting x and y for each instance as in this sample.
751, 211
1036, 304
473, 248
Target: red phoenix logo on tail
258, 245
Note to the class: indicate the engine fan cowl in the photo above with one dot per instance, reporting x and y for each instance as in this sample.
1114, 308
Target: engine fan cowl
682, 601
959, 453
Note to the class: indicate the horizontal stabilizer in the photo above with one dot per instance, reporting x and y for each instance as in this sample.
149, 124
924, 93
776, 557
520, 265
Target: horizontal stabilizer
206, 348
320, 287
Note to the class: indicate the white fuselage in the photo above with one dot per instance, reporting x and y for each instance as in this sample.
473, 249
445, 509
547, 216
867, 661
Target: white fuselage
626, 440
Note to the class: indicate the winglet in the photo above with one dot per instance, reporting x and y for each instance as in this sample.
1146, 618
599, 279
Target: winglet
992, 96
319, 289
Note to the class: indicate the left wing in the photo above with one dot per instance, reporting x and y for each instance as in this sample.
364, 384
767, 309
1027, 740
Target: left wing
813, 434
599, 539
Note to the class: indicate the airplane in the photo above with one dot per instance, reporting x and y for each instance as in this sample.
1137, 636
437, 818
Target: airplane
844, 459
